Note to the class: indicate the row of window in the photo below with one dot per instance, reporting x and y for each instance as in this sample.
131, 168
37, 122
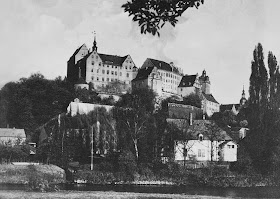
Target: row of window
112, 72
169, 75
107, 79
100, 64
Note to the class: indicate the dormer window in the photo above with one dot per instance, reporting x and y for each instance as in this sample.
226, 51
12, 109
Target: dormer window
200, 137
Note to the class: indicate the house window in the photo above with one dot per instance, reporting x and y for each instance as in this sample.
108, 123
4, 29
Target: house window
233, 146
201, 153
126, 67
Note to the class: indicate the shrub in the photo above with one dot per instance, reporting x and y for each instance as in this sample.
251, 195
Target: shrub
95, 177
38, 181
127, 165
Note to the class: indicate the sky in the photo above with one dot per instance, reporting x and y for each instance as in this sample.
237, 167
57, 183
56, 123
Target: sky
220, 36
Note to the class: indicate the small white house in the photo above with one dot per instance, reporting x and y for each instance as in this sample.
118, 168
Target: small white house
12, 135
205, 141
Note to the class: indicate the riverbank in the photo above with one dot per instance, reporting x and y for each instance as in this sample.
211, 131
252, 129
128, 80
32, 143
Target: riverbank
21, 174
96, 195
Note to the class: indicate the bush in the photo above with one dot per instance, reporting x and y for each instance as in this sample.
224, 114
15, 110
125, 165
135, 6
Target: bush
95, 177
38, 181
127, 166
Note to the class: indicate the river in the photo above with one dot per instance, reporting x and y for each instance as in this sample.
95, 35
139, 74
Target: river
252, 192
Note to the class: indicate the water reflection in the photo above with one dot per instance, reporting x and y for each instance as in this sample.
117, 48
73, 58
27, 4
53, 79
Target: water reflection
253, 192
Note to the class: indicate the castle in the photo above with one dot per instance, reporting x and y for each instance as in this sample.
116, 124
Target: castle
100, 70
87, 67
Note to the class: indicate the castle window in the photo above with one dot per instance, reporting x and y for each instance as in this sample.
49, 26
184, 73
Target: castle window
92, 78
130, 67
112, 79
120, 73
107, 66
92, 62
116, 67
116, 73
127, 74
108, 72
108, 80
99, 63
112, 66
126, 67
97, 78
112, 72
102, 79
91, 70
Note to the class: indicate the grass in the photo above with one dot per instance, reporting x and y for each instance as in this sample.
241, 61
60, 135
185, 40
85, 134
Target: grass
18, 174
95, 195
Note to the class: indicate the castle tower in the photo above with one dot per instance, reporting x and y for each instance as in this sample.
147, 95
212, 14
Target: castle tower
205, 83
243, 99
94, 47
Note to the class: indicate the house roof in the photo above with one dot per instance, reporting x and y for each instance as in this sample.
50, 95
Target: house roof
210, 98
6, 132
78, 49
225, 107
163, 65
143, 73
187, 81
203, 127
113, 59
180, 123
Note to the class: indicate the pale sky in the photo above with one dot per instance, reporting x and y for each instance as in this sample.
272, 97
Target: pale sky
220, 36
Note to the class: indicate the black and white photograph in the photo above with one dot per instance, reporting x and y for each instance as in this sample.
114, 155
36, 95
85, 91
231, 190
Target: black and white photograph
139, 99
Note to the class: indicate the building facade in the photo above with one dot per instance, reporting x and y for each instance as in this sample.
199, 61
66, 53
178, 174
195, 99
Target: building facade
100, 70
161, 77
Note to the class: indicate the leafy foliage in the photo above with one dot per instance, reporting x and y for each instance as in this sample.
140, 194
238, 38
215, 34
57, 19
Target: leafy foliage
152, 15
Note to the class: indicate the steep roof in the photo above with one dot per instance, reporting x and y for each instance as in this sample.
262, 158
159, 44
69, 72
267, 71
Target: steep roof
187, 81
76, 51
6, 132
225, 107
202, 127
163, 65
143, 73
113, 59
210, 98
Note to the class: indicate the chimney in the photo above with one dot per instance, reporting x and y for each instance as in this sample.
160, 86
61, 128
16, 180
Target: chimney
191, 119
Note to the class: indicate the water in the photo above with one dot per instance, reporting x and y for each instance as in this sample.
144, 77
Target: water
252, 192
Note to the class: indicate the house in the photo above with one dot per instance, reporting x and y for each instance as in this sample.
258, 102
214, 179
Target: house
189, 85
12, 136
205, 141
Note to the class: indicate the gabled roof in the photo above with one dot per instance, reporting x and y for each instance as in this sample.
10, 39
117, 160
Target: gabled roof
209, 97
187, 81
6, 132
202, 127
112, 59
225, 107
143, 73
163, 65
78, 49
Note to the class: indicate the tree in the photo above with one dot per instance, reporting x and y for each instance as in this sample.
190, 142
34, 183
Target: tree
152, 15
214, 133
134, 115
193, 100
